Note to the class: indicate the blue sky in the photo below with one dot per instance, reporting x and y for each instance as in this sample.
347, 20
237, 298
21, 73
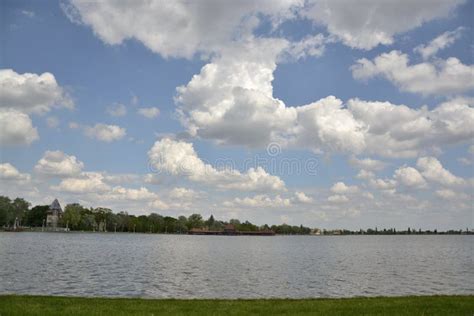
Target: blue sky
262, 76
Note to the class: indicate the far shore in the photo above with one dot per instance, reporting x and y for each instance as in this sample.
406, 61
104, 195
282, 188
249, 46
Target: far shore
408, 305
63, 231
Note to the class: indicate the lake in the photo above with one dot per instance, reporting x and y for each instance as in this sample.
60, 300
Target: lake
182, 266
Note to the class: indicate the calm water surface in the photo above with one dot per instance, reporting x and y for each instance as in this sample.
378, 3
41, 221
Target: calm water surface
234, 267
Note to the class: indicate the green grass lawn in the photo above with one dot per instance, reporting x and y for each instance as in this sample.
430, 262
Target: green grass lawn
413, 305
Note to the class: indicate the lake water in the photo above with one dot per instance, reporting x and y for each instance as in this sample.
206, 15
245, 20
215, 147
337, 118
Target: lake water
174, 266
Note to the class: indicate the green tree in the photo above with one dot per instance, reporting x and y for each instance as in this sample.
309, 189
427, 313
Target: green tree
6, 212
195, 221
182, 225
73, 215
37, 215
20, 208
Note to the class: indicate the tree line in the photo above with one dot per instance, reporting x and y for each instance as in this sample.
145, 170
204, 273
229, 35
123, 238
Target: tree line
79, 218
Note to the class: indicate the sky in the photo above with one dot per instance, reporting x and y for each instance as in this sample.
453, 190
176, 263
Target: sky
330, 114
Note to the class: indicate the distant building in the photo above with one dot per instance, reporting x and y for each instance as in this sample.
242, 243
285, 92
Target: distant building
54, 214
229, 229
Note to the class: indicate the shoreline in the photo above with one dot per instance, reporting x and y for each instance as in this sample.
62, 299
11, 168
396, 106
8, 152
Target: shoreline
398, 305
231, 235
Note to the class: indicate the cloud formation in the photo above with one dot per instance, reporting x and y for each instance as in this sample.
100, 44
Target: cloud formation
104, 132
441, 42
178, 158
16, 128
149, 112
56, 163
443, 77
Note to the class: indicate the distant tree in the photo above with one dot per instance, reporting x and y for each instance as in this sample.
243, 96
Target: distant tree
182, 224
20, 208
6, 212
210, 222
72, 215
235, 222
88, 222
37, 215
195, 221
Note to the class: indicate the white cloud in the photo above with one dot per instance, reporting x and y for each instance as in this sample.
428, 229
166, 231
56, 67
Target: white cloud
57, 163
149, 112
302, 197
365, 175
441, 42
399, 131
31, 93
367, 164
410, 177
121, 193
338, 198
443, 77
16, 128
231, 102
447, 194
432, 169
311, 45
116, 110
259, 201
105, 133
231, 99
177, 28
86, 182
366, 24
342, 188
9, 173
183, 194
178, 158
383, 184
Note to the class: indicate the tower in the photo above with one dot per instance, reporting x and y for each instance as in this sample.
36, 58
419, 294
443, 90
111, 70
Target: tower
55, 212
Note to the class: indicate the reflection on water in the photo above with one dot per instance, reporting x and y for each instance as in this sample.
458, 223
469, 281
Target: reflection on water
234, 267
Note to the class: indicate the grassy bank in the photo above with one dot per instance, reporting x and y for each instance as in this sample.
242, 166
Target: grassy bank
413, 305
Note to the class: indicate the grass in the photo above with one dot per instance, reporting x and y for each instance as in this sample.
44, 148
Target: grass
411, 305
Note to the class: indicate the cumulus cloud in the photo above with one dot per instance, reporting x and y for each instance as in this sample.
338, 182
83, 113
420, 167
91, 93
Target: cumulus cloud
369, 23
342, 188
177, 28
399, 131
183, 194
383, 184
432, 169
105, 133
9, 173
410, 177
121, 193
86, 182
57, 163
301, 197
441, 42
450, 195
149, 112
16, 128
22, 94
179, 158
31, 93
443, 77
116, 110
259, 201
367, 164
337, 198
231, 102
